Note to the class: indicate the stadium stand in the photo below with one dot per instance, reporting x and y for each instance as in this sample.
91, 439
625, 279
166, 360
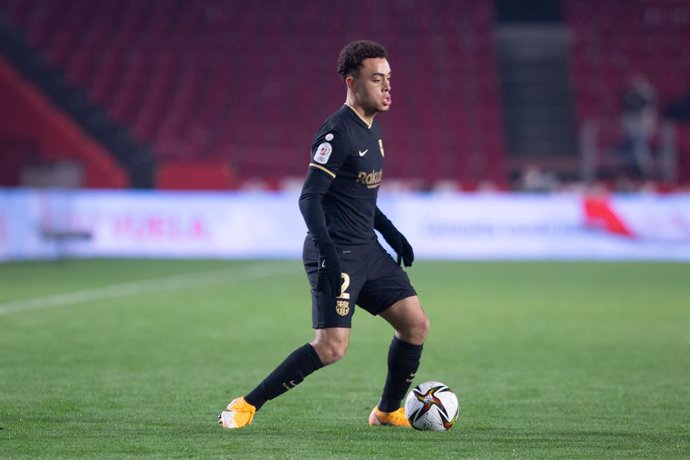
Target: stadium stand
34, 136
248, 82
244, 84
614, 39
38, 81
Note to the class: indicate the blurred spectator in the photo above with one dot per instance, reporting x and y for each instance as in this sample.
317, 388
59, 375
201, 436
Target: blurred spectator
639, 122
534, 179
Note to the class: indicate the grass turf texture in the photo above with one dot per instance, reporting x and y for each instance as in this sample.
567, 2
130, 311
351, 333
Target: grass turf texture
548, 360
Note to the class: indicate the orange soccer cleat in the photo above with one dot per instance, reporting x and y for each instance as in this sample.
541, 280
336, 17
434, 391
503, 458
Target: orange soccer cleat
238, 414
395, 418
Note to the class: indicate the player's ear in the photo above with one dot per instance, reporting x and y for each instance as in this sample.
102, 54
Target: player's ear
350, 82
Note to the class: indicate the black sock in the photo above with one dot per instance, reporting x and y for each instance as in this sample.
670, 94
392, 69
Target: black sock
290, 373
403, 362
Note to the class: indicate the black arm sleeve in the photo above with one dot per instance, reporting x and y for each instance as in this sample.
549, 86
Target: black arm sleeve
381, 222
315, 187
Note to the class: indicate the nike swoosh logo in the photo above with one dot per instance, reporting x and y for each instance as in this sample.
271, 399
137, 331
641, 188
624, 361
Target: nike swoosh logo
361, 154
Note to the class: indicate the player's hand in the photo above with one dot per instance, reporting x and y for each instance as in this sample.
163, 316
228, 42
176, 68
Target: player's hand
399, 244
329, 275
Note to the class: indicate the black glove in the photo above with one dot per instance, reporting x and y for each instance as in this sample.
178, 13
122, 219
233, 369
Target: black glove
400, 245
329, 275
394, 238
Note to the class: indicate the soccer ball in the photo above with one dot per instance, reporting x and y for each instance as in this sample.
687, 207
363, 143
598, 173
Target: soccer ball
432, 406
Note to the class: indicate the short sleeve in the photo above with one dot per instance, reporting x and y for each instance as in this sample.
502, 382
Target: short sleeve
329, 151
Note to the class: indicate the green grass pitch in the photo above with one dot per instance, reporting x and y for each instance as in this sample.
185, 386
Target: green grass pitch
126, 358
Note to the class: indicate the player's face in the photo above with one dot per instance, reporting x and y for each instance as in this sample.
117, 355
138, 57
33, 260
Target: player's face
372, 88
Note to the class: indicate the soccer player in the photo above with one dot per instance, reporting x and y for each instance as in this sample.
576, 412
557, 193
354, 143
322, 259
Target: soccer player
343, 259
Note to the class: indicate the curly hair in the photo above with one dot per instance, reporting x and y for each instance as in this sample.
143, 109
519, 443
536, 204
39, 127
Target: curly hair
351, 57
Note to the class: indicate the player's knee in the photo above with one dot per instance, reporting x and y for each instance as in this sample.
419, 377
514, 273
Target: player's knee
417, 331
420, 329
336, 354
330, 351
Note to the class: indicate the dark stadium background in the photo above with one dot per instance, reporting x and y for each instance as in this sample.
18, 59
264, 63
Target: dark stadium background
223, 95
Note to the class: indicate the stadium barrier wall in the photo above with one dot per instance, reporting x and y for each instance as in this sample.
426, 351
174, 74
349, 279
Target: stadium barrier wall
26, 113
46, 224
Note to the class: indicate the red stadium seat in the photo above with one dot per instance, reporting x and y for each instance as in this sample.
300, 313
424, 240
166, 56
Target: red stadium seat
614, 39
202, 78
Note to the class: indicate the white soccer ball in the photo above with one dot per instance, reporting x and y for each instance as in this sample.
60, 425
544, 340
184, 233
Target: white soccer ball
432, 406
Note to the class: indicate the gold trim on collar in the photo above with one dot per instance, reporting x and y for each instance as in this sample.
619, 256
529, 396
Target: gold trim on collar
322, 169
360, 117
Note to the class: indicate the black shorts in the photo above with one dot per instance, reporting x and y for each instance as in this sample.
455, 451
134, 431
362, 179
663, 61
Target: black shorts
371, 279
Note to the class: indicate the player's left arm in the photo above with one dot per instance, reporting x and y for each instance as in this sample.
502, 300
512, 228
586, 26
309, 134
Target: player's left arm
394, 238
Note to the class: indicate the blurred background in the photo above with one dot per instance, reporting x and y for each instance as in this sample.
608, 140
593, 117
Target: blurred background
584, 97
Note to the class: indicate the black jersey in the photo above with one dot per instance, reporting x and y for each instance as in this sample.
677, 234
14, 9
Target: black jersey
351, 153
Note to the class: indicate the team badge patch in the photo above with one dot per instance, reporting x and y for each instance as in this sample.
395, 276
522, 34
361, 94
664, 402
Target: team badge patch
329, 136
342, 307
381, 147
323, 153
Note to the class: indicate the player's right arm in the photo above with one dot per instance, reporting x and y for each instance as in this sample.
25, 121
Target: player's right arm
329, 151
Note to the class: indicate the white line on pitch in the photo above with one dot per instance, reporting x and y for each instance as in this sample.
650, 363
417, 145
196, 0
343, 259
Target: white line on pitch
258, 270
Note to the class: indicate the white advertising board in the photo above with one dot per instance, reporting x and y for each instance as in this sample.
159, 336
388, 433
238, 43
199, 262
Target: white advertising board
46, 224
